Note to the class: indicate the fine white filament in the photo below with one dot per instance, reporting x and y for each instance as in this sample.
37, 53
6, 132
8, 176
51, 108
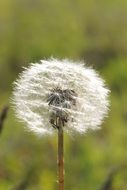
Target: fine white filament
36, 83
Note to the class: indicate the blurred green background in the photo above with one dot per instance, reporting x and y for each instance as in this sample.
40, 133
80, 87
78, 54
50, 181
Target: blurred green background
94, 31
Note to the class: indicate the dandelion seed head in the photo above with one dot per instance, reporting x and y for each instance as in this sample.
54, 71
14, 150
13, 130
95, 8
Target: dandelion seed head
60, 89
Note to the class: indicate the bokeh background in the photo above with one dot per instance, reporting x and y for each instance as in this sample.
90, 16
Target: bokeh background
94, 31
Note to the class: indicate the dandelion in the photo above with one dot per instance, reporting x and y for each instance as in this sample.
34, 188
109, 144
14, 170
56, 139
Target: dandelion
60, 95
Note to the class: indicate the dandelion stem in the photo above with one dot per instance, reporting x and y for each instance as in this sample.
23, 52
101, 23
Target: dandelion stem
60, 157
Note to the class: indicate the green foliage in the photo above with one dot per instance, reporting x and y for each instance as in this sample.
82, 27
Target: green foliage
95, 31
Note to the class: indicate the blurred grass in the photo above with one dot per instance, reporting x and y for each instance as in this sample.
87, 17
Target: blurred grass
94, 31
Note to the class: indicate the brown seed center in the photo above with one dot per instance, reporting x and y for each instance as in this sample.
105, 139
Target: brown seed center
59, 102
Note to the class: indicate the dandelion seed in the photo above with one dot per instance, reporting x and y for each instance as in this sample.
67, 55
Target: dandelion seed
54, 88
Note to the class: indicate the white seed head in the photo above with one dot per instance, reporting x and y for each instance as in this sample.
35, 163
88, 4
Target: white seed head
60, 87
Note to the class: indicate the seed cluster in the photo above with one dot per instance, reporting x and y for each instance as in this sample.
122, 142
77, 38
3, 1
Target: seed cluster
64, 93
57, 100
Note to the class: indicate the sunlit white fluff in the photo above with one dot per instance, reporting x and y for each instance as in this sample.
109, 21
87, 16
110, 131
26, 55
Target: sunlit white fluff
36, 82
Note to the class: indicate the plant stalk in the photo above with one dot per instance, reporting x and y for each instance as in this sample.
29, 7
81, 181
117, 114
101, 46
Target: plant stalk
60, 157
